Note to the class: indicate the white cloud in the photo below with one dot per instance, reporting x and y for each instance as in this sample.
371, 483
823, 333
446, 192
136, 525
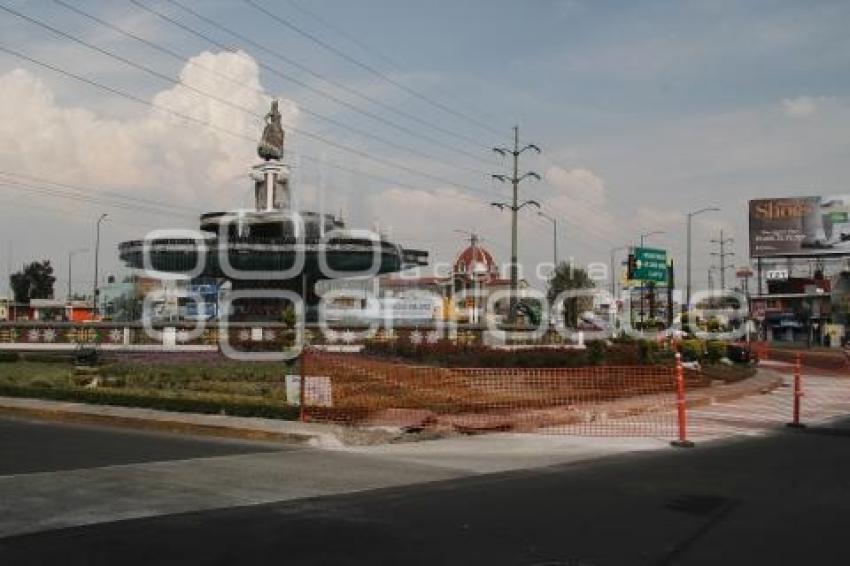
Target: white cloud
578, 184
581, 200
156, 152
800, 107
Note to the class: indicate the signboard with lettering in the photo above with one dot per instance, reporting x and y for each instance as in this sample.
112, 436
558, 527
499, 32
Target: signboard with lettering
317, 390
650, 265
800, 226
776, 274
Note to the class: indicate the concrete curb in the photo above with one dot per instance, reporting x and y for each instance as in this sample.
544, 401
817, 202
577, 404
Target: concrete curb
245, 428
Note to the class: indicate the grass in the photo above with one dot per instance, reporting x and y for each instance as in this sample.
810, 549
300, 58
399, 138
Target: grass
258, 389
228, 387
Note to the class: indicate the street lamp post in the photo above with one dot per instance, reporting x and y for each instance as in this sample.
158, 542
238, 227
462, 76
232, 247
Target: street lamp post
515, 207
613, 271
71, 254
554, 238
648, 234
96, 253
688, 268
711, 271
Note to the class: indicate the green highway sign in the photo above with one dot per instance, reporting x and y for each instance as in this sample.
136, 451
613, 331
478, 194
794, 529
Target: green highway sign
650, 265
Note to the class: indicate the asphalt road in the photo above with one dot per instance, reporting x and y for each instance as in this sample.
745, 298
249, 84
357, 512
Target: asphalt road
32, 446
784, 499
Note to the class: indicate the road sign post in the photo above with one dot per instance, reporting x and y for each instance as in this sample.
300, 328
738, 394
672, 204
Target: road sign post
650, 265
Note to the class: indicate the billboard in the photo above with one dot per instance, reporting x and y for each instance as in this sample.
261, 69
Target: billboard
800, 226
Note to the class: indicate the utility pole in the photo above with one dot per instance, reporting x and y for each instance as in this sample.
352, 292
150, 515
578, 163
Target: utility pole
515, 207
96, 253
722, 254
671, 283
688, 266
614, 273
71, 254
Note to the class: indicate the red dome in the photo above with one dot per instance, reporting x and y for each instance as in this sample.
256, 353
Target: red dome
475, 260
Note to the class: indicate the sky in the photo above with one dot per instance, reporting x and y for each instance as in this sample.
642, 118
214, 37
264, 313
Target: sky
643, 111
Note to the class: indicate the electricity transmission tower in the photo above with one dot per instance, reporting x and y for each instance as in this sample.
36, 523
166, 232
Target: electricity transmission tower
515, 206
723, 254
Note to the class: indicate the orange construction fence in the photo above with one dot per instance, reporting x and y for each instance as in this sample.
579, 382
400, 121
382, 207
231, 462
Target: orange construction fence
594, 401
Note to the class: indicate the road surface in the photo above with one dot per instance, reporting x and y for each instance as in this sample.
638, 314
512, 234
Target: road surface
781, 499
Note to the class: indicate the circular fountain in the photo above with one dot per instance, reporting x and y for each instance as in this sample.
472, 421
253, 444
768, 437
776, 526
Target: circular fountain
271, 248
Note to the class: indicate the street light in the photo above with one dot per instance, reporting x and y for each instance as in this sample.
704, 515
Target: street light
648, 234
554, 238
96, 253
688, 268
71, 254
613, 276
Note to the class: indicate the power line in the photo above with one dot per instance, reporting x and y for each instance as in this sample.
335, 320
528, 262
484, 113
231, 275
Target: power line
230, 104
210, 125
342, 32
353, 39
112, 194
48, 191
62, 212
321, 77
437, 104
187, 61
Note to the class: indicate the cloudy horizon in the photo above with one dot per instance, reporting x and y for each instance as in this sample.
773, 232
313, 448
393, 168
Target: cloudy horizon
642, 112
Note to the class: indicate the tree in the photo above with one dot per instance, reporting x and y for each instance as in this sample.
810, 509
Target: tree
125, 308
570, 278
33, 281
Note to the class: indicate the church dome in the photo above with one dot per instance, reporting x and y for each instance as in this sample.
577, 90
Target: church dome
475, 260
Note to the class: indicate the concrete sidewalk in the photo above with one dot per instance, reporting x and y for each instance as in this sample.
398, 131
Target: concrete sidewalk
117, 487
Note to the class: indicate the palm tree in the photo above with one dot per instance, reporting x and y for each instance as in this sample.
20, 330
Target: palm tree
568, 278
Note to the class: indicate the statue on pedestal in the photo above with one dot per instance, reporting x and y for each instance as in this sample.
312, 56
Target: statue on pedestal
271, 144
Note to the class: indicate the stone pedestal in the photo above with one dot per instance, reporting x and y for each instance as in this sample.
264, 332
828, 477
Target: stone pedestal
271, 186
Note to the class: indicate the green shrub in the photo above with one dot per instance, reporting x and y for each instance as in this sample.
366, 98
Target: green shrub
622, 353
9, 357
664, 356
596, 352
48, 357
622, 338
238, 408
692, 350
288, 316
715, 350
646, 351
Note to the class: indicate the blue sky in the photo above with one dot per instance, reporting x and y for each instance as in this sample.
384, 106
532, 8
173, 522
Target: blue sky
644, 110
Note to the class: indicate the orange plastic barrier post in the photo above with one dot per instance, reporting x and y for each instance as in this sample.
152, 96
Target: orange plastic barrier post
301, 390
798, 393
681, 406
